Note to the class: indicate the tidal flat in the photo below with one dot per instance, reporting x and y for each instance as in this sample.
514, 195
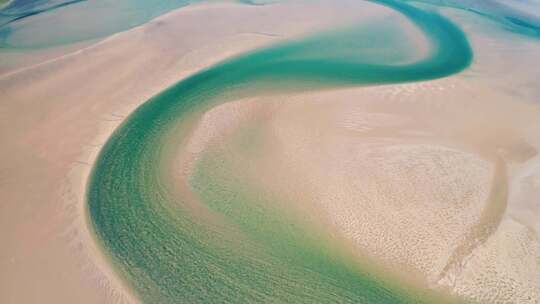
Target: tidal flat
279, 151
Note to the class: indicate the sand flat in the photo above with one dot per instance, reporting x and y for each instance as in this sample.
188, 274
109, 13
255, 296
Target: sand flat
54, 128
411, 175
359, 147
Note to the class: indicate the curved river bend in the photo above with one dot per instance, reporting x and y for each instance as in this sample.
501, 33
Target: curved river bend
168, 253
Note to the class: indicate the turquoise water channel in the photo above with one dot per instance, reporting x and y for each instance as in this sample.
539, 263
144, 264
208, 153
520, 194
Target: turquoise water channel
169, 253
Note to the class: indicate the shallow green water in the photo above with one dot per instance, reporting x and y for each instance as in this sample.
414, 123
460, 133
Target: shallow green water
220, 254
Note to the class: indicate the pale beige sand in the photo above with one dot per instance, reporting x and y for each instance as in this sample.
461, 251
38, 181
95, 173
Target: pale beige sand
464, 135
14, 60
395, 177
438, 180
57, 112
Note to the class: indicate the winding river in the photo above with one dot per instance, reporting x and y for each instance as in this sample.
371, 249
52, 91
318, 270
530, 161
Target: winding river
171, 248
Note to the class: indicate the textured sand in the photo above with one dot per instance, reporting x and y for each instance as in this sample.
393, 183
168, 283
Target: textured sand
414, 176
437, 181
424, 198
59, 106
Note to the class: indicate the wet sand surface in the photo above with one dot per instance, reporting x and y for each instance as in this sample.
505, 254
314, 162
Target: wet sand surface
438, 180
424, 177
63, 118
